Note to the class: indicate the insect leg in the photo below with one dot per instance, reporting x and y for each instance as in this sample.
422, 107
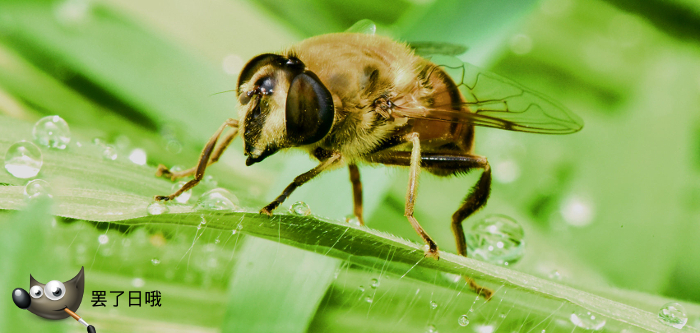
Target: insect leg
451, 163
413, 175
220, 148
356, 191
301, 180
204, 159
475, 200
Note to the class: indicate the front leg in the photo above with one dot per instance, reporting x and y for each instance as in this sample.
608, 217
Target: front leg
328, 163
205, 159
214, 156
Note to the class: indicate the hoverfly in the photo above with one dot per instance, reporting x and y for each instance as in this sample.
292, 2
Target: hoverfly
352, 98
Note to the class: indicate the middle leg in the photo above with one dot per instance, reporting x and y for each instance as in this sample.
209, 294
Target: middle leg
356, 192
326, 164
445, 164
413, 174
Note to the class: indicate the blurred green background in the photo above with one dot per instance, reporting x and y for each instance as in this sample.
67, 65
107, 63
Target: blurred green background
615, 206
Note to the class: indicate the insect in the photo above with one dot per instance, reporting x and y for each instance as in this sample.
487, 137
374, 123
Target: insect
349, 99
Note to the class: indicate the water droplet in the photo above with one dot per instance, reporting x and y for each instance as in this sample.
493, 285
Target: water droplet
138, 282
431, 329
173, 147
37, 188
352, 219
122, 142
454, 278
369, 299
217, 199
103, 239
23, 159
673, 314
138, 156
52, 132
463, 320
433, 305
209, 181
202, 219
155, 261
217, 241
99, 142
185, 196
497, 239
577, 212
177, 168
362, 289
374, 283
587, 320
157, 208
554, 275
109, 152
300, 208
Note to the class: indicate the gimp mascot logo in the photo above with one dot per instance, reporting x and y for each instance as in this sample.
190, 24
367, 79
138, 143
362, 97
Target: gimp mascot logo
55, 299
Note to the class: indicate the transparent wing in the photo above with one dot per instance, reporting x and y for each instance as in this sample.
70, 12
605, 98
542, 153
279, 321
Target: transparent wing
426, 49
363, 27
495, 101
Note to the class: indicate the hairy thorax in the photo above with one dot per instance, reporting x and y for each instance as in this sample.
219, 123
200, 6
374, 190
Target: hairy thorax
369, 76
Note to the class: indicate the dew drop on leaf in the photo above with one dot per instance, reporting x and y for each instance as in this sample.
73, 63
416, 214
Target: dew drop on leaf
157, 208
52, 132
23, 160
109, 152
587, 320
185, 196
497, 239
217, 199
352, 219
37, 188
138, 156
463, 320
155, 261
138, 282
300, 208
210, 182
673, 314
555, 275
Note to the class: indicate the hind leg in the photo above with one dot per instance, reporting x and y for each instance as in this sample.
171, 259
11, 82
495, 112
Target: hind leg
475, 200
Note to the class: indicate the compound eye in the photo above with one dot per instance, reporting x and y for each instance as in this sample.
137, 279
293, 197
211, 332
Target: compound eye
309, 110
55, 290
36, 292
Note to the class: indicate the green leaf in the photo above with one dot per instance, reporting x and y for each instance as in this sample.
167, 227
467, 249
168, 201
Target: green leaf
89, 188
